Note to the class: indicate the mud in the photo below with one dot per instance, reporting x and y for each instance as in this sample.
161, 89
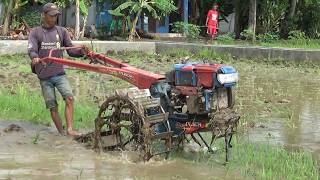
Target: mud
13, 127
286, 107
39, 152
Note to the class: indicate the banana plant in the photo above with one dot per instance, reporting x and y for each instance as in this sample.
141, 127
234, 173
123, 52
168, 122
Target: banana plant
84, 10
156, 8
82, 7
10, 8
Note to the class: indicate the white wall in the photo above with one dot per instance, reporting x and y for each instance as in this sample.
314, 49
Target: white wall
92, 15
227, 27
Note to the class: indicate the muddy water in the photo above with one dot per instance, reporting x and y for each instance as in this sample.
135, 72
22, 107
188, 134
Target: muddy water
287, 106
37, 152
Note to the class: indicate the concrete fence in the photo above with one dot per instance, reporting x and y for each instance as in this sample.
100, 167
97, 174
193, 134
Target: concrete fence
245, 51
14, 47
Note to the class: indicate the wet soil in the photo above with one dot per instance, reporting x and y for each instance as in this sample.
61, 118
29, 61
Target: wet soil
39, 152
285, 109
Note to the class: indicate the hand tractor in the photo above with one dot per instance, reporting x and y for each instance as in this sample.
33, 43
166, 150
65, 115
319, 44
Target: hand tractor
192, 102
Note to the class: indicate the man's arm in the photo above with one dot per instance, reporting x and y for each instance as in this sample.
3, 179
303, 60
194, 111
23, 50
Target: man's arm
33, 47
68, 43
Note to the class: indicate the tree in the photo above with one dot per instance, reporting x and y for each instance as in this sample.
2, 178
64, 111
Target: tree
155, 8
195, 11
253, 18
81, 7
271, 15
10, 8
293, 5
77, 25
237, 28
84, 9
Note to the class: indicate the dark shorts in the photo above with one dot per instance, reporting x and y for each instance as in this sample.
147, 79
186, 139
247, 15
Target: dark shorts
48, 87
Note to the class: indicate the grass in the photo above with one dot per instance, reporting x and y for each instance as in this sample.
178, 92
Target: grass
263, 161
281, 43
19, 103
263, 85
35, 138
258, 161
290, 43
305, 43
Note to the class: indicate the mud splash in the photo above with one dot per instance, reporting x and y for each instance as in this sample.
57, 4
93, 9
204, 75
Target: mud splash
38, 151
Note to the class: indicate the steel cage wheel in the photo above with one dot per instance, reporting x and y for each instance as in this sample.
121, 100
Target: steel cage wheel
121, 118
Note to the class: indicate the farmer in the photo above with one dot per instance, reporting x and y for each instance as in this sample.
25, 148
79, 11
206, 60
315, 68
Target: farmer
212, 21
52, 75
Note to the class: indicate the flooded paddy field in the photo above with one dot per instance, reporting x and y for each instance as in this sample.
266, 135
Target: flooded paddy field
278, 103
30, 151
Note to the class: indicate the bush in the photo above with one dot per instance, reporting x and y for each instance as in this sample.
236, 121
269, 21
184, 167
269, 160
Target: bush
268, 37
297, 35
310, 20
247, 34
228, 37
191, 30
32, 15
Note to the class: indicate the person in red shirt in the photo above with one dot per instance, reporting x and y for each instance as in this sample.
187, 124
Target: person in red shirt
212, 21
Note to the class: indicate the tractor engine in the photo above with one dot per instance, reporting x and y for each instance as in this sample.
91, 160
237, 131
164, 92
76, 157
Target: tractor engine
199, 88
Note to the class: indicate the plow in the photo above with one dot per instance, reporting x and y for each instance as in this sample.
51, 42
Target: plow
159, 113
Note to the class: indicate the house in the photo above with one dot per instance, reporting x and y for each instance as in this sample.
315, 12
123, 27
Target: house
101, 19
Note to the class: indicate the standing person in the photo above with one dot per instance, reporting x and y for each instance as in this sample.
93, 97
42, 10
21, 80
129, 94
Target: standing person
52, 75
212, 21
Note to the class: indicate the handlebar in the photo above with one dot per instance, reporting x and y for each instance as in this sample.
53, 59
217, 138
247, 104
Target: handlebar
64, 48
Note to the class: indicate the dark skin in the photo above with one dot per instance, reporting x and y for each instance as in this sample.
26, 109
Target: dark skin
50, 21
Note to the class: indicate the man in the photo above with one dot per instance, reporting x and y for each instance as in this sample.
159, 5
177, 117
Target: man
52, 75
212, 21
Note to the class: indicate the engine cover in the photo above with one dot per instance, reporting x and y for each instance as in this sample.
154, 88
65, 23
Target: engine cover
196, 74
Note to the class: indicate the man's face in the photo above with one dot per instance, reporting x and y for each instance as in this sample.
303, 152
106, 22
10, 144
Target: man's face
50, 20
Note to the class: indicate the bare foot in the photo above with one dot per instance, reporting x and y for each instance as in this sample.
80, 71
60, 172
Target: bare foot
73, 133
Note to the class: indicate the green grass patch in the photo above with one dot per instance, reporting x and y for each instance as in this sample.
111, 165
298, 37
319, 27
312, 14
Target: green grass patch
19, 103
261, 161
290, 43
297, 43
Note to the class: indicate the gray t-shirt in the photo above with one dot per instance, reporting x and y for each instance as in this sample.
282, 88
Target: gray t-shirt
41, 40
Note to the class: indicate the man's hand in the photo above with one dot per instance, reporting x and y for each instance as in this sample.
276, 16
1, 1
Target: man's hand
35, 61
86, 49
